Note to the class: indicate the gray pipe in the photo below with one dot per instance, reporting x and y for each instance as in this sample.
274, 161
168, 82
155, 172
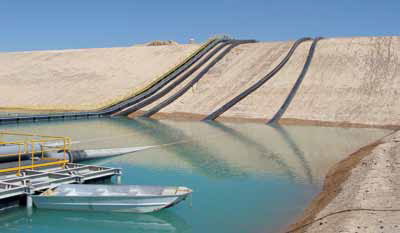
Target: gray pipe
10, 152
84, 155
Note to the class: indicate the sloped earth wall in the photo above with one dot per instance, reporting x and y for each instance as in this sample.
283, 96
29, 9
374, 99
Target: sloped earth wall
350, 80
82, 79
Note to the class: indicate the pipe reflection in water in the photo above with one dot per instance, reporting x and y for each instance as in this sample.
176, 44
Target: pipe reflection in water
305, 152
217, 149
200, 157
296, 150
265, 152
17, 220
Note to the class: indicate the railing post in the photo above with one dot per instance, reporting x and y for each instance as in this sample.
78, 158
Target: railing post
42, 148
66, 144
33, 152
41, 140
19, 160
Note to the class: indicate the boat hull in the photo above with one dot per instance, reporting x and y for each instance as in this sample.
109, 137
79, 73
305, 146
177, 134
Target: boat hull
140, 204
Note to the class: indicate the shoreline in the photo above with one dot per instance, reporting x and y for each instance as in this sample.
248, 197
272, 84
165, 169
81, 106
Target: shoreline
183, 116
340, 180
333, 181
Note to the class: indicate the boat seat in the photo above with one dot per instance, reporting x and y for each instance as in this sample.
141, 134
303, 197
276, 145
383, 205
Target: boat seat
169, 191
69, 193
106, 192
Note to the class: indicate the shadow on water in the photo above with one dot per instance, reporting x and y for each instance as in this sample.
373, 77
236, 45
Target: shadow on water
18, 220
201, 158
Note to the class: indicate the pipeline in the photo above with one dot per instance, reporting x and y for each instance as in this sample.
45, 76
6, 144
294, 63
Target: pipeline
85, 155
257, 85
75, 156
126, 103
182, 91
297, 84
165, 91
10, 152
125, 110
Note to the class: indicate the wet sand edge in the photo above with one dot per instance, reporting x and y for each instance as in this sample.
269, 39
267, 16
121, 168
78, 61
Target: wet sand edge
332, 186
184, 116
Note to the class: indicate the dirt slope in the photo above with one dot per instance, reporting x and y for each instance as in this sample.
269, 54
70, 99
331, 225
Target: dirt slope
353, 80
350, 80
83, 78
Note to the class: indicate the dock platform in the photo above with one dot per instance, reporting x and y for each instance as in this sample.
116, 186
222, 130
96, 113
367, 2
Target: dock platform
25, 169
40, 179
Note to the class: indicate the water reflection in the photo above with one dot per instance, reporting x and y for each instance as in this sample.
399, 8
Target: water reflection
200, 157
219, 150
18, 220
248, 142
295, 149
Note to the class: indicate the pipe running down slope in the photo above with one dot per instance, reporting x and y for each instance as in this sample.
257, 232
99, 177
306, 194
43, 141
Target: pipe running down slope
163, 92
187, 87
257, 85
145, 98
297, 84
128, 102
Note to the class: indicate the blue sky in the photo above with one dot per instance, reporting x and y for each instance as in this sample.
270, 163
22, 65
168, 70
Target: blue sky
52, 24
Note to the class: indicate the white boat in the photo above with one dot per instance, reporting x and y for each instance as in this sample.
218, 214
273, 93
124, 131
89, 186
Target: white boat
116, 198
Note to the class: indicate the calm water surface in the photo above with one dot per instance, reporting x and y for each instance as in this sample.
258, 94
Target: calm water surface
245, 177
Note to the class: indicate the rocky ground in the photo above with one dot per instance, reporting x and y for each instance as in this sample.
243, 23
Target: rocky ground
360, 194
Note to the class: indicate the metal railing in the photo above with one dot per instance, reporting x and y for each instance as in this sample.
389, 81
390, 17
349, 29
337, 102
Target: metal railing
22, 146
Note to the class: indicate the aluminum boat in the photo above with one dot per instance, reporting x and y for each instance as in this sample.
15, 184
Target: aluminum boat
115, 198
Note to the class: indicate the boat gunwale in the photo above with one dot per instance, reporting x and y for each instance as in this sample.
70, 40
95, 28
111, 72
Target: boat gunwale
141, 196
178, 192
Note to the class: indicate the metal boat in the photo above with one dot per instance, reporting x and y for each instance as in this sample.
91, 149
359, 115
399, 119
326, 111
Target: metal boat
115, 198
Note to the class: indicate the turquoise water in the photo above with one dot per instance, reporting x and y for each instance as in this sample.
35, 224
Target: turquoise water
245, 177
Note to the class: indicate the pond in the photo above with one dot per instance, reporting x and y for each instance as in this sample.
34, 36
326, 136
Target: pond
246, 177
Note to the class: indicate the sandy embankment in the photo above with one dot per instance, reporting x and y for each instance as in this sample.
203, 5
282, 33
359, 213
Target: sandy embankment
82, 79
351, 81
360, 193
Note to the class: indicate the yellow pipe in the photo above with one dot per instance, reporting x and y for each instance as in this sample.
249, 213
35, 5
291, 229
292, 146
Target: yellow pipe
19, 160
